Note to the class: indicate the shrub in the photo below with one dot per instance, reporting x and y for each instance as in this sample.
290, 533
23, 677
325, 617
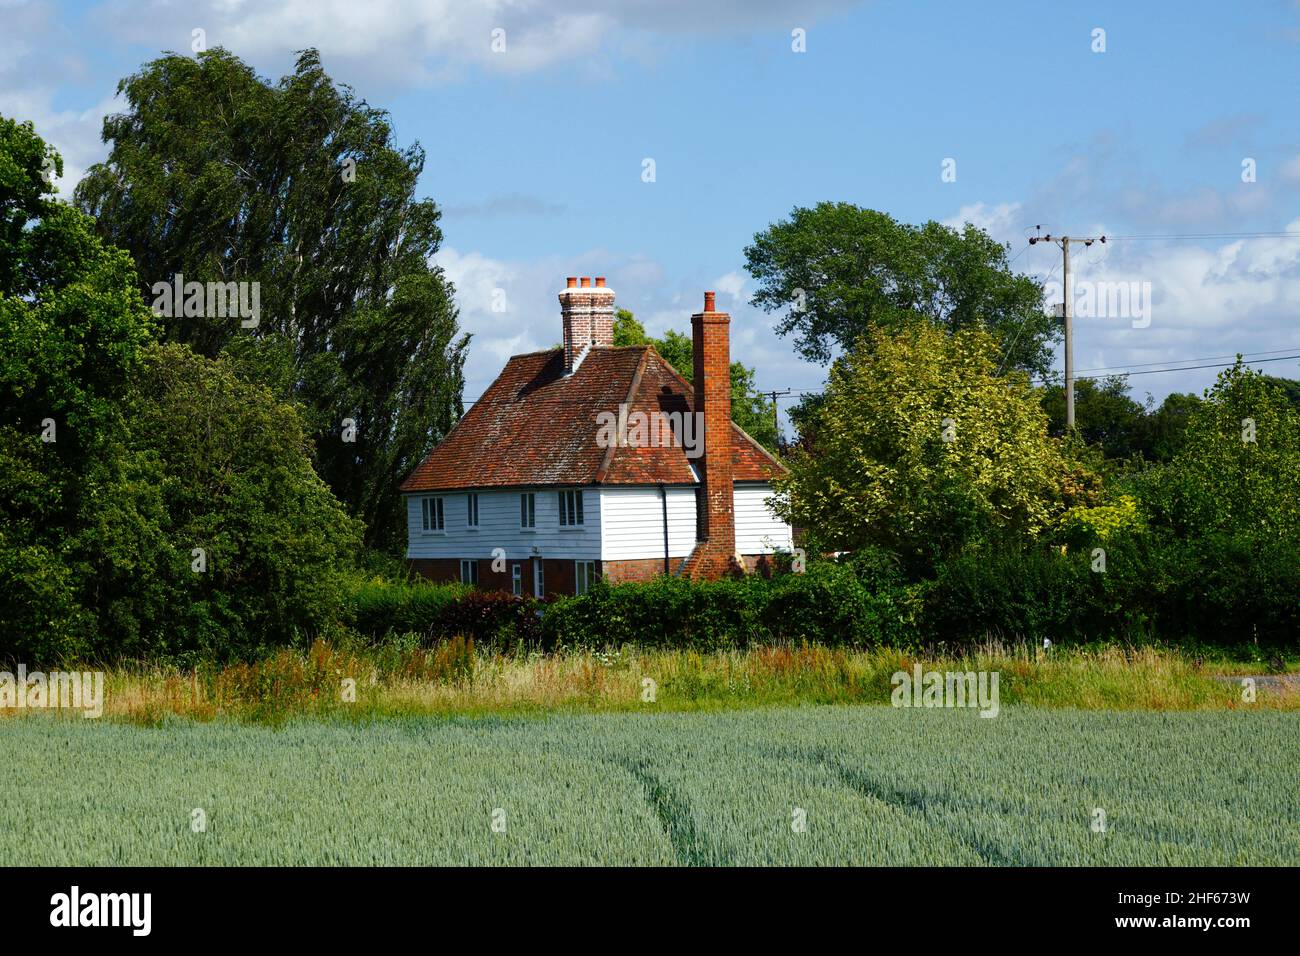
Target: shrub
438, 612
1008, 593
827, 605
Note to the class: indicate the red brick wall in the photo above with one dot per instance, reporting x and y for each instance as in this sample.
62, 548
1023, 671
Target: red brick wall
560, 573
640, 569
710, 333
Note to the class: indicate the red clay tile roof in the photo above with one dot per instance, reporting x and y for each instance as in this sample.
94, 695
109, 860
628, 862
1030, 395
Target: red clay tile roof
535, 426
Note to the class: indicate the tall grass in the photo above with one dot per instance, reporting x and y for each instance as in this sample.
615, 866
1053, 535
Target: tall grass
402, 678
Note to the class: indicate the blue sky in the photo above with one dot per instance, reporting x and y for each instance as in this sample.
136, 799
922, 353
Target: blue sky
536, 153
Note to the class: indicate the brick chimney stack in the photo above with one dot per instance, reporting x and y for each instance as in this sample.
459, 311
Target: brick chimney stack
587, 314
715, 507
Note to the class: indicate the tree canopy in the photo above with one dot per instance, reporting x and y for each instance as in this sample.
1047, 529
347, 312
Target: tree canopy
840, 272
221, 176
922, 447
119, 458
1238, 469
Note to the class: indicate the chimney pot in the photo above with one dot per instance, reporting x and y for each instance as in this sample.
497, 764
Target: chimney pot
709, 302
587, 317
571, 282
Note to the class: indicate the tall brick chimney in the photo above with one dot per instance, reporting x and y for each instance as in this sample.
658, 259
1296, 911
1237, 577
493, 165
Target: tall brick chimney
587, 313
715, 508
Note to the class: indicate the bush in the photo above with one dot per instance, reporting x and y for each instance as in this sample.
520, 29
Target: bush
439, 612
826, 605
1221, 589
1010, 594
1232, 588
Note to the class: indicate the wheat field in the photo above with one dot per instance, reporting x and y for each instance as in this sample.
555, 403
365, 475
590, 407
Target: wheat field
857, 785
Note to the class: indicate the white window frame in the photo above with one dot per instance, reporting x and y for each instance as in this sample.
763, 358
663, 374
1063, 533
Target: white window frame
471, 510
433, 515
469, 565
528, 511
539, 579
584, 576
516, 580
571, 516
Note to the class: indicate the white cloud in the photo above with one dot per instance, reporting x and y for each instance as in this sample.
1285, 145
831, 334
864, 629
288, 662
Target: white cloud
416, 42
532, 317
1206, 302
732, 284
1001, 220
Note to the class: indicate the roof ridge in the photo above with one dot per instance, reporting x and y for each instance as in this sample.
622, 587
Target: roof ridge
608, 461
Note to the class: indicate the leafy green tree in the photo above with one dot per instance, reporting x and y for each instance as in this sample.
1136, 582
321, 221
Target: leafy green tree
1104, 414
118, 458
72, 329
1238, 471
1289, 386
234, 468
749, 409
1167, 425
842, 272
923, 448
221, 176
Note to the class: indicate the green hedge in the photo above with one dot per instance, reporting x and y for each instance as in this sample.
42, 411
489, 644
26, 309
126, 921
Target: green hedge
1221, 589
825, 605
440, 611
1218, 590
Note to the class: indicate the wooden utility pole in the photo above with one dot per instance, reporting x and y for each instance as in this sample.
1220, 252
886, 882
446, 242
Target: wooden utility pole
776, 415
1067, 312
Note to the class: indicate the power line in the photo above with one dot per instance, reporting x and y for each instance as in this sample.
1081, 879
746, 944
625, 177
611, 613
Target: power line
1041, 382
1112, 370
1204, 358
1189, 368
1208, 235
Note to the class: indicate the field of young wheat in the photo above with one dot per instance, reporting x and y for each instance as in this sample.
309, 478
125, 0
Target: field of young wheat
815, 785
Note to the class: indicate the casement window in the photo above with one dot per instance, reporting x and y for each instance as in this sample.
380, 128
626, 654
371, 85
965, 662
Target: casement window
469, 572
471, 510
584, 576
516, 580
539, 580
570, 509
431, 514
528, 510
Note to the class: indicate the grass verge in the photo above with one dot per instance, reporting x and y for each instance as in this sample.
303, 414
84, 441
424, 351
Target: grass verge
455, 678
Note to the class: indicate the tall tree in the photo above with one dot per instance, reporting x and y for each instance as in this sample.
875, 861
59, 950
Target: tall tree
220, 176
841, 272
1238, 468
922, 447
749, 409
120, 457
1105, 415
72, 333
